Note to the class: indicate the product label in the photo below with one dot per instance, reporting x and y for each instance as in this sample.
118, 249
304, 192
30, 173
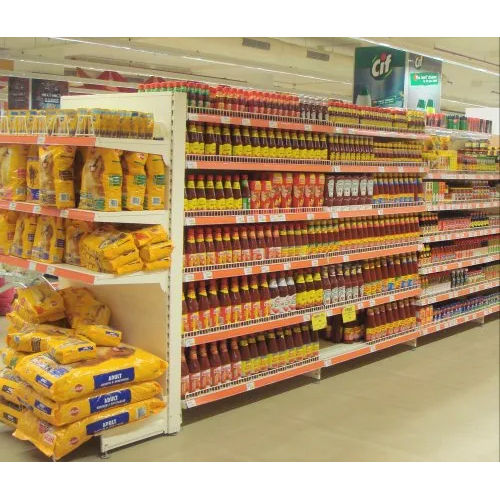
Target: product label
107, 423
43, 381
44, 408
113, 378
104, 401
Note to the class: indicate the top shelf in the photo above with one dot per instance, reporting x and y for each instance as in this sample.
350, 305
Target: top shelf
152, 146
291, 123
457, 134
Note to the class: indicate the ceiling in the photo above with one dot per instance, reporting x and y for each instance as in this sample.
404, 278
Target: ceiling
470, 67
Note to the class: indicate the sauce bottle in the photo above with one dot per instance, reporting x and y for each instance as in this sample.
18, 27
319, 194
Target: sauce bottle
263, 352
298, 343
185, 317
265, 296
340, 284
274, 294
210, 193
280, 339
214, 303
255, 142
236, 254
301, 291
272, 347
260, 250
290, 236
255, 298
245, 192
236, 304
246, 361
237, 198
209, 247
228, 248
246, 299
225, 148
235, 357
225, 303
270, 251
285, 250
215, 364
334, 286
292, 297
193, 311
310, 291
184, 375
246, 142
318, 288
190, 249
201, 199
220, 200
204, 306
226, 372
254, 354
237, 143
284, 302
200, 247
264, 147
246, 254
290, 346
205, 371
194, 370
190, 193
306, 338
228, 193
220, 253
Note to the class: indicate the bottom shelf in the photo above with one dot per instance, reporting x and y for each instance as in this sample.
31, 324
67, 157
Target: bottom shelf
458, 320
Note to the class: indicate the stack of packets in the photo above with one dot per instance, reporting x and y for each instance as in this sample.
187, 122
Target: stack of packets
67, 375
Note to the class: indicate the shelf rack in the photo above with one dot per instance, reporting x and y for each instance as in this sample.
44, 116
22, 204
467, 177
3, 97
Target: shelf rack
459, 234
425, 300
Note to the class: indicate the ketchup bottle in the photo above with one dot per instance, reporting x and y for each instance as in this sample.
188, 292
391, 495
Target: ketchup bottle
225, 303
220, 253
228, 248
341, 284
276, 241
246, 254
200, 247
220, 200
236, 254
228, 193
263, 352
298, 343
292, 292
210, 259
204, 306
226, 372
213, 300
265, 296
246, 361
255, 297
260, 251
215, 365
280, 339
210, 193
272, 347
190, 249
235, 357
274, 295
193, 311
184, 375
205, 372
194, 370
236, 304
254, 354
246, 299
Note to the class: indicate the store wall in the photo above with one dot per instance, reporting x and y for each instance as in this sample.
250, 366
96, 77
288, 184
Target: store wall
492, 114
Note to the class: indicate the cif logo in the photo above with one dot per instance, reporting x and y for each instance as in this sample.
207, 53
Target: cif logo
419, 60
381, 66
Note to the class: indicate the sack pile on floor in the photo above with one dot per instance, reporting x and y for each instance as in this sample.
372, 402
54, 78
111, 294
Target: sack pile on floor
67, 376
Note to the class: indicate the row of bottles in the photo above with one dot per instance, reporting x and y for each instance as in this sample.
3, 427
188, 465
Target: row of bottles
449, 221
441, 191
208, 246
250, 298
444, 251
230, 360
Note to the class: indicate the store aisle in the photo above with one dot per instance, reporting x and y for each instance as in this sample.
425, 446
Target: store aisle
436, 403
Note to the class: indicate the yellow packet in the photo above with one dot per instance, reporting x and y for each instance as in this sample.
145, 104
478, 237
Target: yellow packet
41, 301
33, 175
57, 442
7, 230
16, 321
111, 266
13, 172
10, 412
108, 242
112, 366
154, 198
102, 335
66, 413
71, 349
10, 385
150, 235
49, 240
24, 235
75, 230
82, 308
156, 251
10, 357
36, 338
131, 267
157, 265
134, 180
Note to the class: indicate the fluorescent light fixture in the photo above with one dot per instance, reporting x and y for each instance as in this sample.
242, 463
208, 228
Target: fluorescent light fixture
447, 61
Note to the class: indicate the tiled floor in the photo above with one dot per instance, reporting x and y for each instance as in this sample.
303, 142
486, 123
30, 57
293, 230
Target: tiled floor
439, 402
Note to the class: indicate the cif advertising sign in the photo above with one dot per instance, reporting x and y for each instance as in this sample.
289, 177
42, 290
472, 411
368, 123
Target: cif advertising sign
379, 77
424, 82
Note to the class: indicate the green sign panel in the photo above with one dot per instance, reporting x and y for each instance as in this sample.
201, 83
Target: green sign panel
424, 78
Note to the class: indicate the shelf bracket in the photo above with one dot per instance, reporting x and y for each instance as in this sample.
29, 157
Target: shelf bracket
412, 344
315, 375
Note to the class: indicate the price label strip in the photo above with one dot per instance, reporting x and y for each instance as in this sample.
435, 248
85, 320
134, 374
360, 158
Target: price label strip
349, 313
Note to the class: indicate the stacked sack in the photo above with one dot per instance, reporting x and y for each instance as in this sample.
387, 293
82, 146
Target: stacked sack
154, 247
68, 377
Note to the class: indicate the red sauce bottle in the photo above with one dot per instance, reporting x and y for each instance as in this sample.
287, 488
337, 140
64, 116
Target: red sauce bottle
265, 296
219, 193
190, 193
254, 354
225, 303
228, 249
246, 361
246, 299
255, 297
341, 286
236, 246
184, 375
246, 254
306, 338
209, 247
290, 346
193, 311
220, 253
292, 292
226, 372
263, 352
213, 300
252, 243
190, 249
276, 241
205, 371
370, 324
272, 347
245, 192
215, 364
185, 316
236, 307
298, 343
204, 306
280, 340
210, 193
235, 357
274, 294
194, 370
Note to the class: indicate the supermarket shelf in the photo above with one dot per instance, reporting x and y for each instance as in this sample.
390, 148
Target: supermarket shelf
126, 217
466, 205
194, 218
456, 134
467, 176
250, 383
204, 162
274, 121
458, 320
457, 264
458, 292
288, 319
340, 353
84, 275
140, 145
272, 265
456, 235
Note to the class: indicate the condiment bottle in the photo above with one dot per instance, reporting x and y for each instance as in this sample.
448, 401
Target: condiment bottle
310, 291
193, 311
210, 193
200, 247
265, 296
205, 372
236, 188
220, 200
201, 199
318, 288
225, 303
290, 346
236, 306
272, 347
236, 253
274, 294
204, 306
234, 355
245, 192
246, 361
215, 364
194, 370
190, 193
228, 193
298, 343
283, 353
254, 354
184, 375
220, 253
292, 292
246, 299
226, 372
263, 352
228, 248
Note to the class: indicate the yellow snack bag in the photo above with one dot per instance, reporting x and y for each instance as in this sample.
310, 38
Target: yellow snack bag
108, 242
155, 251
56, 176
154, 198
10, 357
150, 235
66, 413
71, 349
15, 320
33, 175
10, 412
57, 442
134, 180
75, 230
24, 235
111, 266
10, 385
36, 338
102, 335
7, 230
101, 187
13, 172
112, 366
49, 240
28, 317
157, 265
41, 302
131, 267
82, 308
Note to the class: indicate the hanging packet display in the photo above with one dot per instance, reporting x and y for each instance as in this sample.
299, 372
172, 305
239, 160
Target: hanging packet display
154, 198
13, 172
8, 220
57, 442
33, 175
75, 231
49, 242
134, 180
24, 236
112, 366
66, 413
102, 335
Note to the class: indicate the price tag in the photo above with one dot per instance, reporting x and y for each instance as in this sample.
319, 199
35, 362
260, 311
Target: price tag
287, 266
207, 275
247, 270
189, 221
261, 218
310, 216
32, 266
240, 219
327, 362
225, 119
193, 117
273, 124
351, 130
40, 139
400, 169
191, 164
373, 348
371, 302
37, 209
329, 313
64, 213
12, 205
188, 342
188, 277
381, 169
346, 258
306, 317
250, 385
245, 122
278, 217
308, 127
319, 321
349, 313
50, 270
334, 215
250, 219
380, 211
265, 269
190, 403
314, 262
336, 168
391, 298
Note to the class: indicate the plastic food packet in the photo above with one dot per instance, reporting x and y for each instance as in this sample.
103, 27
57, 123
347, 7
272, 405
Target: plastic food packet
134, 180
24, 235
82, 308
155, 183
13, 172
71, 349
16, 321
10, 412
108, 242
57, 442
10, 357
131, 267
36, 338
101, 187
49, 240
41, 302
56, 176
102, 335
7, 230
156, 251
112, 366
33, 175
111, 266
66, 413
75, 230
10, 385
150, 235
157, 265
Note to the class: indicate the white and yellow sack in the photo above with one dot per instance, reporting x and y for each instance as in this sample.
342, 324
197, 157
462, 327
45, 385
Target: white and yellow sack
41, 302
101, 335
82, 308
